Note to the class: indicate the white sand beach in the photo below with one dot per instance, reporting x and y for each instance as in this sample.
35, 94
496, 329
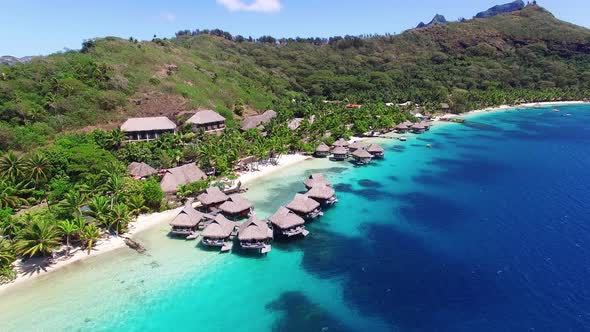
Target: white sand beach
263, 170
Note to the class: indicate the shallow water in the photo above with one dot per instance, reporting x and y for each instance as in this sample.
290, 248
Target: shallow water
486, 231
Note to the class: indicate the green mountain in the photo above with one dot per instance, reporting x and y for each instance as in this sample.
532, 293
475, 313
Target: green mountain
524, 55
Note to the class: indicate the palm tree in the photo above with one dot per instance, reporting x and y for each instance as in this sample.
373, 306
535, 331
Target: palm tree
68, 228
120, 218
6, 252
9, 195
11, 227
99, 209
90, 234
40, 237
114, 187
11, 166
37, 167
115, 138
73, 203
136, 204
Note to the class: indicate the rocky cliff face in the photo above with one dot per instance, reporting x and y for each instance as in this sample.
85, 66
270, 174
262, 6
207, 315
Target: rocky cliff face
437, 19
11, 60
502, 9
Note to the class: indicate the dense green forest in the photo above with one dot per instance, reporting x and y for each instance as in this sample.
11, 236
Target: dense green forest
63, 167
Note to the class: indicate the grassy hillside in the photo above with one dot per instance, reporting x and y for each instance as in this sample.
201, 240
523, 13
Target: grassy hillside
526, 55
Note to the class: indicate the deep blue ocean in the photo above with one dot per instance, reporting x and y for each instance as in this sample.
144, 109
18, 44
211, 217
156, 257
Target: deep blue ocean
488, 230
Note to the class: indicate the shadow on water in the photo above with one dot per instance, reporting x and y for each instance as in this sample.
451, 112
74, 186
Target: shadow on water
396, 148
366, 193
470, 168
431, 211
369, 183
300, 314
481, 126
393, 178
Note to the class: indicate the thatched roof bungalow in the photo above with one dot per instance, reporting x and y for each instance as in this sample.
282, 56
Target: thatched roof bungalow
305, 207
207, 120
316, 179
355, 146
236, 206
141, 170
376, 150
179, 176
212, 197
218, 231
362, 157
401, 128
187, 221
341, 142
418, 127
147, 129
339, 153
322, 150
323, 194
258, 121
287, 223
254, 234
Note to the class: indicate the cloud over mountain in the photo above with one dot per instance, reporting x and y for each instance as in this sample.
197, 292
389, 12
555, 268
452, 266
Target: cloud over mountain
264, 6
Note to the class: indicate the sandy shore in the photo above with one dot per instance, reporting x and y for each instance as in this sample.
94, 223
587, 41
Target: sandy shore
525, 105
34, 268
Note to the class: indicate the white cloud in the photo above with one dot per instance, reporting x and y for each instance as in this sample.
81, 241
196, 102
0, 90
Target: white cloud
168, 17
265, 6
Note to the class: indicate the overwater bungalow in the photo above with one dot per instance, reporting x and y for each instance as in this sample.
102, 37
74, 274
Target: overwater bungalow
179, 176
212, 198
207, 120
141, 170
218, 232
323, 194
425, 124
355, 146
147, 129
401, 128
305, 207
418, 128
340, 143
339, 153
316, 179
287, 223
255, 234
362, 157
236, 207
186, 222
322, 151
376, 151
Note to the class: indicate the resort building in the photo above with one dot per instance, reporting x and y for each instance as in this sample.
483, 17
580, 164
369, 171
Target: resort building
258, 121
340, 143
376, 151
418, 128
322, 151
362, 157
236, 207
212, 198
355, 146
316, 179
305, 207
255, 234
401, 128
180, 176
208, 121
339, 153
186, 222
147, 129
141, 170
323, 194
286, 223
218, 232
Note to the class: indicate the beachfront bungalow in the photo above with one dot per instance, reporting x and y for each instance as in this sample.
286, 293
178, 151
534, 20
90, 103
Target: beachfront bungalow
236, 207
339, 153
287, 224
445, 107
322, 151
218, 232
207, 120
255, 234
418, 128
305, 207
323, 194
355, 146
147, 129
316, 179
401, 128
179, 176
362, 157
258, 121
212, 198
426, 125
141, 170
186, 222
340, 143
376, 150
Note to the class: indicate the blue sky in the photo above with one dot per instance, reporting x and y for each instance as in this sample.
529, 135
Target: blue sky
35, 27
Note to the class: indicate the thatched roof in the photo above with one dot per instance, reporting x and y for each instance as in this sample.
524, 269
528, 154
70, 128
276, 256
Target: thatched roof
148, 124
140, 170
408, 123
315, 180
322, 148
188, 217
285, 219
235, 204
254, 230
418, 125
257, 120
205, 117
339, 150
362, 154
302, 203
426, 124
374, 148
356, 145
212, 195
402, 126
321, 192
179, 176
219, 228
340, 142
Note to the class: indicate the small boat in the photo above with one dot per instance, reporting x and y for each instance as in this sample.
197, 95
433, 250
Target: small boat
429, 146
403, 139
555, 110
192, 236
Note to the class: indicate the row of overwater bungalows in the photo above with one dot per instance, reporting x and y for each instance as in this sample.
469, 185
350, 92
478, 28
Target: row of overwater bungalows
341, 150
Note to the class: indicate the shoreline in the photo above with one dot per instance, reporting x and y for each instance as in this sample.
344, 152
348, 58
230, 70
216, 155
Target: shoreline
517, 106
